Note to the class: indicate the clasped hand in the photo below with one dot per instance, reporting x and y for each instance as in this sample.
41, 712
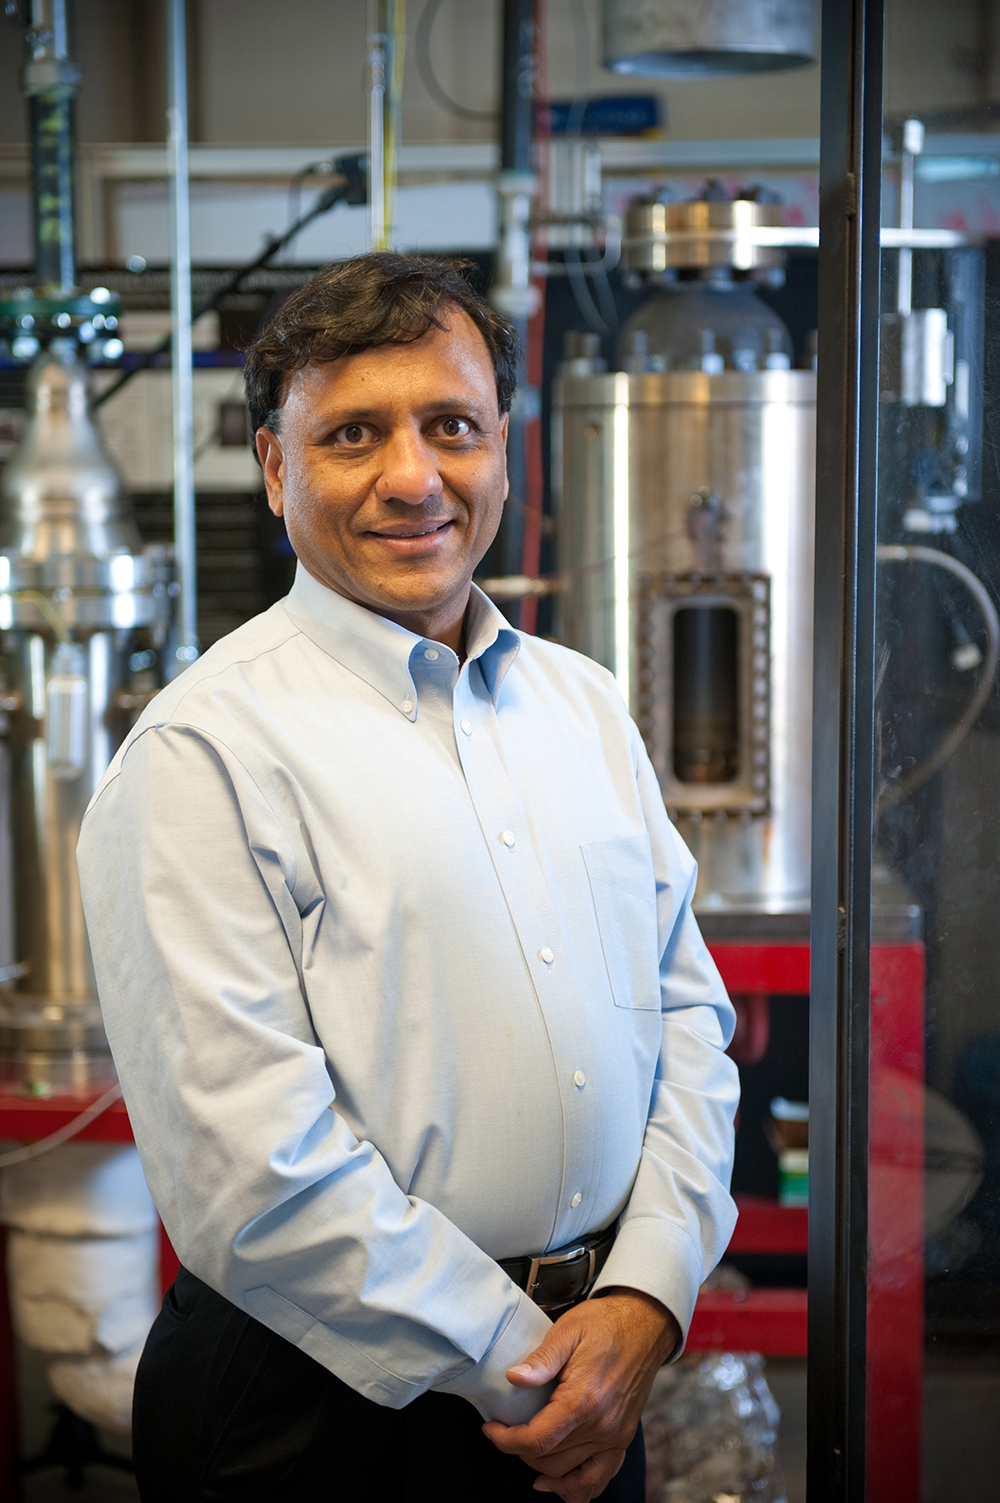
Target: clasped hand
604, 1354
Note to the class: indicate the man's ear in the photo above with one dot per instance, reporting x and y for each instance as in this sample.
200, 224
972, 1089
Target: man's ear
272, 462
504, 430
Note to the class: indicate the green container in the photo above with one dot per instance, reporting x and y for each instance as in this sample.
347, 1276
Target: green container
793, 1177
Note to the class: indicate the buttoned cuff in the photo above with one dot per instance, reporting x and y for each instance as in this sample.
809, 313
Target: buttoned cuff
485, 1383
657, 1258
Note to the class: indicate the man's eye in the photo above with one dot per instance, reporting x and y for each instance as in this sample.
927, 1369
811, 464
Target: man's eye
353, 433
454, 427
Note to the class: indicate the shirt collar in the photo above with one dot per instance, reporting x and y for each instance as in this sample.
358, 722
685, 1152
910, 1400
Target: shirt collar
379, 650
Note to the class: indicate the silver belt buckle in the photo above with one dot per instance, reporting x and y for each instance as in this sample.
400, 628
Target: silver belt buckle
566, 1257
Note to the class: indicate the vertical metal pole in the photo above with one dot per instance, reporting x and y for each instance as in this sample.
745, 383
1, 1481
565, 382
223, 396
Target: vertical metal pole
180, 299
843, 744
376, 129
913, 145
50, 83
512, 290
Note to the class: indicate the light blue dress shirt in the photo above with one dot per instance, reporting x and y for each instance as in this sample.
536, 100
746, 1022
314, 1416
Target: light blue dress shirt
400, 973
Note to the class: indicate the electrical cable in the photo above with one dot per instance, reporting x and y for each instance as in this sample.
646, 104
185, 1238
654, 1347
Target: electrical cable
425, 67
43, 604
64, 1134
297, 183
888, 798
354, 190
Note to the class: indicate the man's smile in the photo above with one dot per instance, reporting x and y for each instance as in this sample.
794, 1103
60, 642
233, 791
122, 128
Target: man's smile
411, 540
410, 529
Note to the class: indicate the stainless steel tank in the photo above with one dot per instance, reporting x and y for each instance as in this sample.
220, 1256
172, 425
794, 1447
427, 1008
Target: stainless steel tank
84, 615
684, 501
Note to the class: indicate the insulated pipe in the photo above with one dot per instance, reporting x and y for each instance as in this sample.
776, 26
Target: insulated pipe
50, 84
180, 297
518, 85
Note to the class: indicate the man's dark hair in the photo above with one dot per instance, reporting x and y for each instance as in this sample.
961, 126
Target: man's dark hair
356, 305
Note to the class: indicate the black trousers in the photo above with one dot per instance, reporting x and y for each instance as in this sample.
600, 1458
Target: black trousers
228, 1412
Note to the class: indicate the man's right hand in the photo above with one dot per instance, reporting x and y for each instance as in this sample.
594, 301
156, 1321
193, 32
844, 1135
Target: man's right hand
605, 1354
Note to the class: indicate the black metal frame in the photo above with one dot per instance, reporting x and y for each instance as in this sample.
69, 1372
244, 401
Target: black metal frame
843, 743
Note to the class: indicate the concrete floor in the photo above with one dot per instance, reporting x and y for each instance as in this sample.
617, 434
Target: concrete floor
961, 1428
786, 1378
102, 1486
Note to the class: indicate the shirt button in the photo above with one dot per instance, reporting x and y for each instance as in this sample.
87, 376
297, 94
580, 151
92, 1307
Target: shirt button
431, 653
546, 954
507, 838
579, 1080
576, 1200
406, 706
466, 727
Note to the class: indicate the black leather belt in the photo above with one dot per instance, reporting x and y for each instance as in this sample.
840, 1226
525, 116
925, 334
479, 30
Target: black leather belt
564, 1276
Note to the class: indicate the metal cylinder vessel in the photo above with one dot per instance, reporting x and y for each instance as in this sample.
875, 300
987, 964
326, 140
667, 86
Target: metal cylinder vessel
84, 614
685, 524
689, 38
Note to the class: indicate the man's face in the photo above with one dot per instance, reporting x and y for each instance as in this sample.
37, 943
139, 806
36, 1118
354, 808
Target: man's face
390, 472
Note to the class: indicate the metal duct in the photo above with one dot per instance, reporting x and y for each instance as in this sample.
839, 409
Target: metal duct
697, 38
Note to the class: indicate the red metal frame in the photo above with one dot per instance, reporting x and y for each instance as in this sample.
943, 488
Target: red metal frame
24, 1119
766, 1227
751, 1320
773, 1321
894, 1443
779, 969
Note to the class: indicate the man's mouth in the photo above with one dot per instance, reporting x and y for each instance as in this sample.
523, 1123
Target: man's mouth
408, 530
413, 539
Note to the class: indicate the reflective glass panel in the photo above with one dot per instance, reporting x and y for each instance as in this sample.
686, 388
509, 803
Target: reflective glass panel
934, 1113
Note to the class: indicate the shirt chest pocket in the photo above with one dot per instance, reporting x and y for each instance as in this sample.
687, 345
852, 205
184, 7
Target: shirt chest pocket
623, 886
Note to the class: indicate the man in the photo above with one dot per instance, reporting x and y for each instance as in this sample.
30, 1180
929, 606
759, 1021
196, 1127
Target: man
398, 964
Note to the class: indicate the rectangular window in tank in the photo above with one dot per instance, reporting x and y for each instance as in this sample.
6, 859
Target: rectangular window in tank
704, 691
706, 718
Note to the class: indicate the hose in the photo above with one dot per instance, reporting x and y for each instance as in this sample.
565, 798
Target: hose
43, 604
64, 1134
429, 78
897, 554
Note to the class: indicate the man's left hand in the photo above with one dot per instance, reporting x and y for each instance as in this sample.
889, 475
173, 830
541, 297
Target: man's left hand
605, 1354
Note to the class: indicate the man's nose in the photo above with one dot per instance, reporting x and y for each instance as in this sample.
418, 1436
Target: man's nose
409, 470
